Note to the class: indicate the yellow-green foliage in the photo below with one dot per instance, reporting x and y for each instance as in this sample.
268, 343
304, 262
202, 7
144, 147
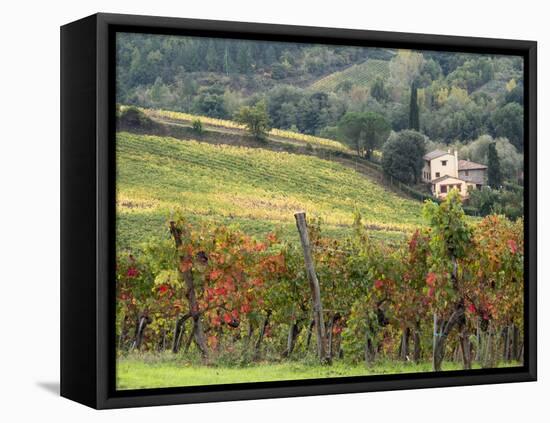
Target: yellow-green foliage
187, 117
258, 189
229, 124
359, 75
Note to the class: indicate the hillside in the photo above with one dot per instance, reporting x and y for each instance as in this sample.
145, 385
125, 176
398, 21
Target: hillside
358, 75
255, 188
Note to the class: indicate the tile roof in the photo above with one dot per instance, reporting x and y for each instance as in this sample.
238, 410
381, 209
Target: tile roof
467, 165
442, 178
435, 154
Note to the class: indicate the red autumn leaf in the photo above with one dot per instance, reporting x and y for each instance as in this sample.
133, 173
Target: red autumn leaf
378, 284
431, 278
260, 247
512, 246
215, 274
163, 289
220, 291
235, 314
472, 308
245, 308
229, 284
227, 318
132, 272
431, 291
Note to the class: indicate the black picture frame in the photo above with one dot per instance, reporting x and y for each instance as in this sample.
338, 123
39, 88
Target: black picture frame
88, 210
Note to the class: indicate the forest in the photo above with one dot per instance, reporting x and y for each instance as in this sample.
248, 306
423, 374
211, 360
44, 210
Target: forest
271, 220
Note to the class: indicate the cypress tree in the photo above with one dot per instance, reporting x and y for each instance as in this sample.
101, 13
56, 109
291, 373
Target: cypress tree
414, 118
494, 174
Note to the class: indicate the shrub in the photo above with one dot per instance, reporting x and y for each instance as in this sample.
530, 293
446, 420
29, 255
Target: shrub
197, 126
134, 118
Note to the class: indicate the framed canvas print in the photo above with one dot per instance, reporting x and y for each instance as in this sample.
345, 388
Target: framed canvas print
255, 211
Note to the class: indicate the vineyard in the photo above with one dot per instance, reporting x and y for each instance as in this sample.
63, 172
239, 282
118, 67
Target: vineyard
359, 75
300, 240
256, 189
215, 298
229, 124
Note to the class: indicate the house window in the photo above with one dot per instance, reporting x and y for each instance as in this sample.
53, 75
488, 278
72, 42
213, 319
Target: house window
437, 174
443, 189
443, 162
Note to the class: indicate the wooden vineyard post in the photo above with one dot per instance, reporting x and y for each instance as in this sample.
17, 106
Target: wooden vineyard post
187, 277
314, 287
434, 343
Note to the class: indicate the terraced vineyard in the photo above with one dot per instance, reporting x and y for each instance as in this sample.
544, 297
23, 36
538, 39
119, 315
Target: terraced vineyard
359, 75
257, 189
232, 125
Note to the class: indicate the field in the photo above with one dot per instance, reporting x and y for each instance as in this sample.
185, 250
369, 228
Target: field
359, 75
154, 371
258, 189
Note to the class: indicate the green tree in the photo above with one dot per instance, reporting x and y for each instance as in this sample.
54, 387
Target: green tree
414, 118
210, 102
256, 119
508, 122
494, 175
364, 131
511, 162
515, 95
377, 90
402, 156
405, 67
485, 200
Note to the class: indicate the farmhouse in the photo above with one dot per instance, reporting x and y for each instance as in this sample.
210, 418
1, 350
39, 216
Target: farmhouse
444, 171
